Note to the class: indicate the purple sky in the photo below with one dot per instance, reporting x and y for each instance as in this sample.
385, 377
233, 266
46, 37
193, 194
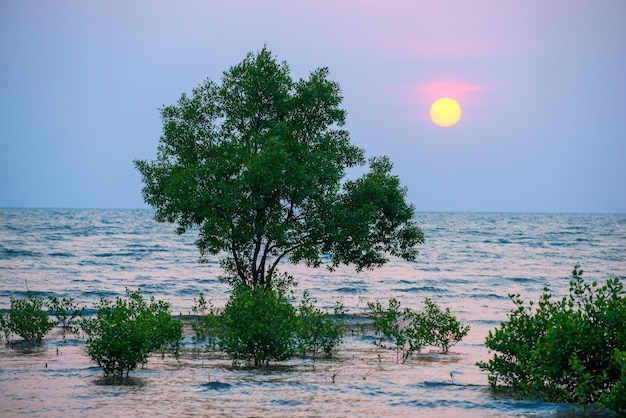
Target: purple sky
542, 85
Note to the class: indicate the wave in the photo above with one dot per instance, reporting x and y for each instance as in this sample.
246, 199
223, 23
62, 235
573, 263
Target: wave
61, 254
123, 254
8, 253
215, 386
422, 289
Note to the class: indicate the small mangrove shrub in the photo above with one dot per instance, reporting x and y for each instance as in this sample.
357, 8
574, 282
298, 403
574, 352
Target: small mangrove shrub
408, 332
125, 332
67, 313
442, 328
258, 326
27, 319
317, 330
207, 326
391, 325
565, 350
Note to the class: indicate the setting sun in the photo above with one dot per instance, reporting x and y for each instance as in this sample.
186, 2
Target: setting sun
445, 112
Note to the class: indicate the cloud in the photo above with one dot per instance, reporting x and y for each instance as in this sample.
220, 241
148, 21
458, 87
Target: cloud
457, 90
433, 47
417, 98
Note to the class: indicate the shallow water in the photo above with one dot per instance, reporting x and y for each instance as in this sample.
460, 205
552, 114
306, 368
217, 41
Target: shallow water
470, 263
360, 381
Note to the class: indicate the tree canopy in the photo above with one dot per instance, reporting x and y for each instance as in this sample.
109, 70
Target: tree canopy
257, 164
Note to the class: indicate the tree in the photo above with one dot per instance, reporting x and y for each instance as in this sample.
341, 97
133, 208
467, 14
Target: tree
257, 163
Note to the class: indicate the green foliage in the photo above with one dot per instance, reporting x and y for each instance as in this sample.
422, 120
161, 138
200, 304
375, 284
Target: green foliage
258, 326
410, 331
316, 329
28, 319
208, 327
258, 164
567, 350
67, 313
391, 323
444, 329
615, 397
125, 332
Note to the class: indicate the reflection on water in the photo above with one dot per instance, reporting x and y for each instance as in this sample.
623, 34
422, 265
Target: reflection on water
361, 380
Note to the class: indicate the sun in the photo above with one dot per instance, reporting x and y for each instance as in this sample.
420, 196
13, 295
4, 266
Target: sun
445, 112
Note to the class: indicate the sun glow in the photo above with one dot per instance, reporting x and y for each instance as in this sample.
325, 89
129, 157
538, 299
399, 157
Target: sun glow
445, 112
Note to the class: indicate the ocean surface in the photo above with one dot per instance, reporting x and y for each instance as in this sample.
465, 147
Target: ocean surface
469, 263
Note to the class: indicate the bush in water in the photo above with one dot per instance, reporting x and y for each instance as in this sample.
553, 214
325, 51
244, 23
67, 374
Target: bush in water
260, 325
567, 350
410, 331
390, 324
67, 313
27, 319
442, 328
125, 332
207, 328
316, 329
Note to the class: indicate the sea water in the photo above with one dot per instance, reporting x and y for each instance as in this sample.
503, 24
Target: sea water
470, 263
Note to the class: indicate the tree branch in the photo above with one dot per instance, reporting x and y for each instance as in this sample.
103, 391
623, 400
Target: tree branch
290, 250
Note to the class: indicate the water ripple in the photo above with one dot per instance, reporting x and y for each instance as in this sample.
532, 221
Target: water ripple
469, 264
